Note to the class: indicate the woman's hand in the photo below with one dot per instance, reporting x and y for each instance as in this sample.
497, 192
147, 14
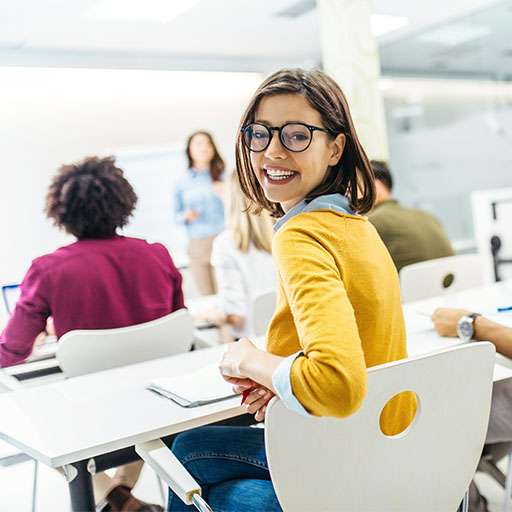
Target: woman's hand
191, 215
233, 359
257, 396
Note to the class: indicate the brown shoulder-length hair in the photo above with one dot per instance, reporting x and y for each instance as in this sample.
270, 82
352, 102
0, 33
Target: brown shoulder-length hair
217, 165
351, 176
90, 198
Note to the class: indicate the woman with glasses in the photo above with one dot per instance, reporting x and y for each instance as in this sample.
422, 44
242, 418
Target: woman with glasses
198, 204
338, 301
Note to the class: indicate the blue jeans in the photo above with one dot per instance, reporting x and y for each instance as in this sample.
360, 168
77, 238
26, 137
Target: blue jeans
230, 465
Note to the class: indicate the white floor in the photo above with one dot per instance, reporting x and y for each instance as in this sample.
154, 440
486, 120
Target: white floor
52, 489
52, 492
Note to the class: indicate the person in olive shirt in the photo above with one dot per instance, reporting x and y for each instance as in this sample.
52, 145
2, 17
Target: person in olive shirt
410, 235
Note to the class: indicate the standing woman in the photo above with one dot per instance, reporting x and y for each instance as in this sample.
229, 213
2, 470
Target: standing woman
338, 306
198, 204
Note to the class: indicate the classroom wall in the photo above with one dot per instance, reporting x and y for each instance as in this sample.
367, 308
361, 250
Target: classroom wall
54, 116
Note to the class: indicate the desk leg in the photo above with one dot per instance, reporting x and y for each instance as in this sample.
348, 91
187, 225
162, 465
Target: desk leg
80, 487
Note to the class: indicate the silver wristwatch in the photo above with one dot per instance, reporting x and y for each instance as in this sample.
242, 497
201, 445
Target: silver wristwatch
465, 326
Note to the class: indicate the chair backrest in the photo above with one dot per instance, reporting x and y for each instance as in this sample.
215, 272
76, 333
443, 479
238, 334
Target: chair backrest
349, 465
263, 306
87, 351
442, 275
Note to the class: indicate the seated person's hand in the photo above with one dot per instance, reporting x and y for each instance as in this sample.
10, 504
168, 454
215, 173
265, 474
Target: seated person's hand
446, 319
50, 328
231, 362
258, 396
39, 339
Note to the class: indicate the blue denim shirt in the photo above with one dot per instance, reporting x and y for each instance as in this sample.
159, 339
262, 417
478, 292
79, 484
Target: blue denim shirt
195, 190
281, 379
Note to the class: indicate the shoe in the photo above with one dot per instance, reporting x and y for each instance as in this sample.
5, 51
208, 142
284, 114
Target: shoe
133, 504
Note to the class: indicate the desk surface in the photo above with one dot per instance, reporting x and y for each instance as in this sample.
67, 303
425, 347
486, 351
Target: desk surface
70, 420
422, 338
104, 411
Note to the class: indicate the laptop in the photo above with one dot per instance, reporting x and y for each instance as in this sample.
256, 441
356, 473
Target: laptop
11, 293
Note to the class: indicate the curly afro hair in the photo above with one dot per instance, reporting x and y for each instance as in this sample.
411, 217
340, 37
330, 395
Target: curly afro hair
91, 198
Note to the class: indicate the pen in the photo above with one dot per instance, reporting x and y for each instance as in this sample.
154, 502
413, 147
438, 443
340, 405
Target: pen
245, 394
509, 308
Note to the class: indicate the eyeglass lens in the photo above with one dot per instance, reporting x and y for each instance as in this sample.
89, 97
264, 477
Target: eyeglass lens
293, 136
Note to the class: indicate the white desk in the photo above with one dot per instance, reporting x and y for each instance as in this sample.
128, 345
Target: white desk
70, 421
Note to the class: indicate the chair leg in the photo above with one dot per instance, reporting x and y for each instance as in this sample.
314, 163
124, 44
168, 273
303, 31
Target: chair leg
160, 485
508, 483
465, 502
34, 486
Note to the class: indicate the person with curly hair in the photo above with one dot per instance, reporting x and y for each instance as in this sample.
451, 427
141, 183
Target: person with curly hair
101, 281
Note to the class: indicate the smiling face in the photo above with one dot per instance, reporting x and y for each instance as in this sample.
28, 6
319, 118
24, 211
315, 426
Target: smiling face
287, 177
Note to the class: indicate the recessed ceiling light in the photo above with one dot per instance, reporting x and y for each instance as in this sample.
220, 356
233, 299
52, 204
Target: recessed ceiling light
161, 11
382, 23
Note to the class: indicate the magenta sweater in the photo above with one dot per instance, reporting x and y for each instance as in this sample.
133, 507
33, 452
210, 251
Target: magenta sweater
92, 284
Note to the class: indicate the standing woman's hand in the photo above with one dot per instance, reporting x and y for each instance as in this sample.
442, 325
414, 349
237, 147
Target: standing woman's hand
191, 215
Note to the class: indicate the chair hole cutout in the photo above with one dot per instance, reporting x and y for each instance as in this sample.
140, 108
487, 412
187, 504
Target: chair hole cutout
448, 280
399, 414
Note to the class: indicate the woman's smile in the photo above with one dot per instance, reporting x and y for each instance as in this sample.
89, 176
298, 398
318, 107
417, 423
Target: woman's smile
275, 175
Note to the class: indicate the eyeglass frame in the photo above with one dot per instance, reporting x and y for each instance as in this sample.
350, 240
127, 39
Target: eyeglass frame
279, 129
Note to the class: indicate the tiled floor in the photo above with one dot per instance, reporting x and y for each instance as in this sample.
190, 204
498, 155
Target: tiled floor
52, 493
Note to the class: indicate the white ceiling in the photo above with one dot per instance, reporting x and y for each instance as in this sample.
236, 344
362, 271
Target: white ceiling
220, 35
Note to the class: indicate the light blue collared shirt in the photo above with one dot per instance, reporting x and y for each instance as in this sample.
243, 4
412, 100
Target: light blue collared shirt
195, 190
281, 378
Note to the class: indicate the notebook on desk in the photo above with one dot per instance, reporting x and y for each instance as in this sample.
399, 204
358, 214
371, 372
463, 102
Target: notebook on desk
199, 387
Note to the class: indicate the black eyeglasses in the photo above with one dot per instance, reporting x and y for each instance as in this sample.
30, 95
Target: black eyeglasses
295, 137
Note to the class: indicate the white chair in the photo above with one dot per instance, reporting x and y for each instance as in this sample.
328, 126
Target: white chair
87, 351
442, 275
262, 309
349, 465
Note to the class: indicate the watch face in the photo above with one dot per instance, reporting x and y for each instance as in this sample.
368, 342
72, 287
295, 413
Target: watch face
465, 329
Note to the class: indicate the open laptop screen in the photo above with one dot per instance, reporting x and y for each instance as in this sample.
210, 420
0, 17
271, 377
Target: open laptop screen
11, 293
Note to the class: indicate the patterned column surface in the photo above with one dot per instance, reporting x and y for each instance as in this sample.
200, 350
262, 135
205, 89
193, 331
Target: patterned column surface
350, 56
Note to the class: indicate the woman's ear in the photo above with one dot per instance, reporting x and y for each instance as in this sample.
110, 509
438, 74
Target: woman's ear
338, 145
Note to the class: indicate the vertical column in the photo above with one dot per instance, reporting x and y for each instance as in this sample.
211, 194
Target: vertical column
350, 56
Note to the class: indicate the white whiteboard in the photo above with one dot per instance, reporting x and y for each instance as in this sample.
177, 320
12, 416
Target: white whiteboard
153, 172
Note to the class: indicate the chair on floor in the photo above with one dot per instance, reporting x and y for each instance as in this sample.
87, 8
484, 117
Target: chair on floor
262, 309
87, 351
350, 465
442, 275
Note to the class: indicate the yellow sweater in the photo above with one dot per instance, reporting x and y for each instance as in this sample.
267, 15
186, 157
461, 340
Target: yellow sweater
338, 301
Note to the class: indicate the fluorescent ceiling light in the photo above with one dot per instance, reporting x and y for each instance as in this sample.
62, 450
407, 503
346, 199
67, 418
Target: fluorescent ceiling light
382, 23
454, 34
162, 11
